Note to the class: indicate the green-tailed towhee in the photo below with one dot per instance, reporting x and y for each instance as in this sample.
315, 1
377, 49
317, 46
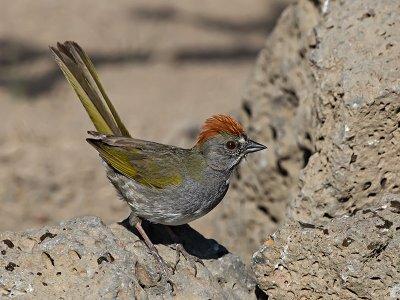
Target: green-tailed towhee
161, 183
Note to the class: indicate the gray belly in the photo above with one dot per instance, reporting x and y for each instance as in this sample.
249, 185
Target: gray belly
173, 205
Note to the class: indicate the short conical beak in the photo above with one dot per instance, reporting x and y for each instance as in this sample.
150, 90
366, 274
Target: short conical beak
253, 146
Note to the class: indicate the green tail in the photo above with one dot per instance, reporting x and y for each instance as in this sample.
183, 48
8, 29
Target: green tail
81, 75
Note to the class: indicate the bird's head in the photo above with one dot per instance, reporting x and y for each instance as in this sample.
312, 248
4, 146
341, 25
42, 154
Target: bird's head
224, 143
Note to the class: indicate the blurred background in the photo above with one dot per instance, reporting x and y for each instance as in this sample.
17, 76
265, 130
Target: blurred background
166, 65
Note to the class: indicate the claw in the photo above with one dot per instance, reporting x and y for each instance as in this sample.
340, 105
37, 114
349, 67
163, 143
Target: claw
191, 259
161, 264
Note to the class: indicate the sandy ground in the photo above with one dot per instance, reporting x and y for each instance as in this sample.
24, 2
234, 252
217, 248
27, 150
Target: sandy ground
166, 65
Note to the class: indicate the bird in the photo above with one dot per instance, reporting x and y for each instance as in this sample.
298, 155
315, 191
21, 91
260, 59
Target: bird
162, 184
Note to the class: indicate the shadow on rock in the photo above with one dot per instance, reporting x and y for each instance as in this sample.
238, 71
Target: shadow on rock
193, 242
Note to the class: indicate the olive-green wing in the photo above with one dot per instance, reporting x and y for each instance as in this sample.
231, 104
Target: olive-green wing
149, 164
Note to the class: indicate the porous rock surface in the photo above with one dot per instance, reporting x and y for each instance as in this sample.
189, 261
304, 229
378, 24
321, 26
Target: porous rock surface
276, 112
337, 72
351, 257
84, 258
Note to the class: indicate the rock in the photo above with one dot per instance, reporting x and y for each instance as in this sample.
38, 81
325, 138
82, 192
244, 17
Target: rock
355, 110
83, 258
338, 237
352, 256
275, 114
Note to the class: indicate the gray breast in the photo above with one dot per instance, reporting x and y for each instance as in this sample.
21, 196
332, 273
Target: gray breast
174, 205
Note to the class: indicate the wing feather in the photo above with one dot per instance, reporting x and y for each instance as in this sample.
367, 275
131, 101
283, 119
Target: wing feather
151, 165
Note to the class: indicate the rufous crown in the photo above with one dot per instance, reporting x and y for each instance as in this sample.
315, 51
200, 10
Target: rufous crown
218, 124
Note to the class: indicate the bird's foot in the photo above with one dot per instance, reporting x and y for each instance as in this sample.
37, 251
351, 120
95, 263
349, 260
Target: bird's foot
191, 259
162, 266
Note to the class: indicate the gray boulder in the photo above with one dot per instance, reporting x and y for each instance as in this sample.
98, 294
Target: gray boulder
336, 66
84, 258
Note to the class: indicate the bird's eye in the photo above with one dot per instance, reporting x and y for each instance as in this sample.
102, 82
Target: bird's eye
231, 145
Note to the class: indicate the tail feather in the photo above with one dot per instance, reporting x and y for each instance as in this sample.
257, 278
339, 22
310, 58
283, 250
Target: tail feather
81, 74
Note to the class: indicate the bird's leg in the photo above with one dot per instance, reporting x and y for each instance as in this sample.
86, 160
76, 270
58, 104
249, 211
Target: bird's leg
181, 250
135, 221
